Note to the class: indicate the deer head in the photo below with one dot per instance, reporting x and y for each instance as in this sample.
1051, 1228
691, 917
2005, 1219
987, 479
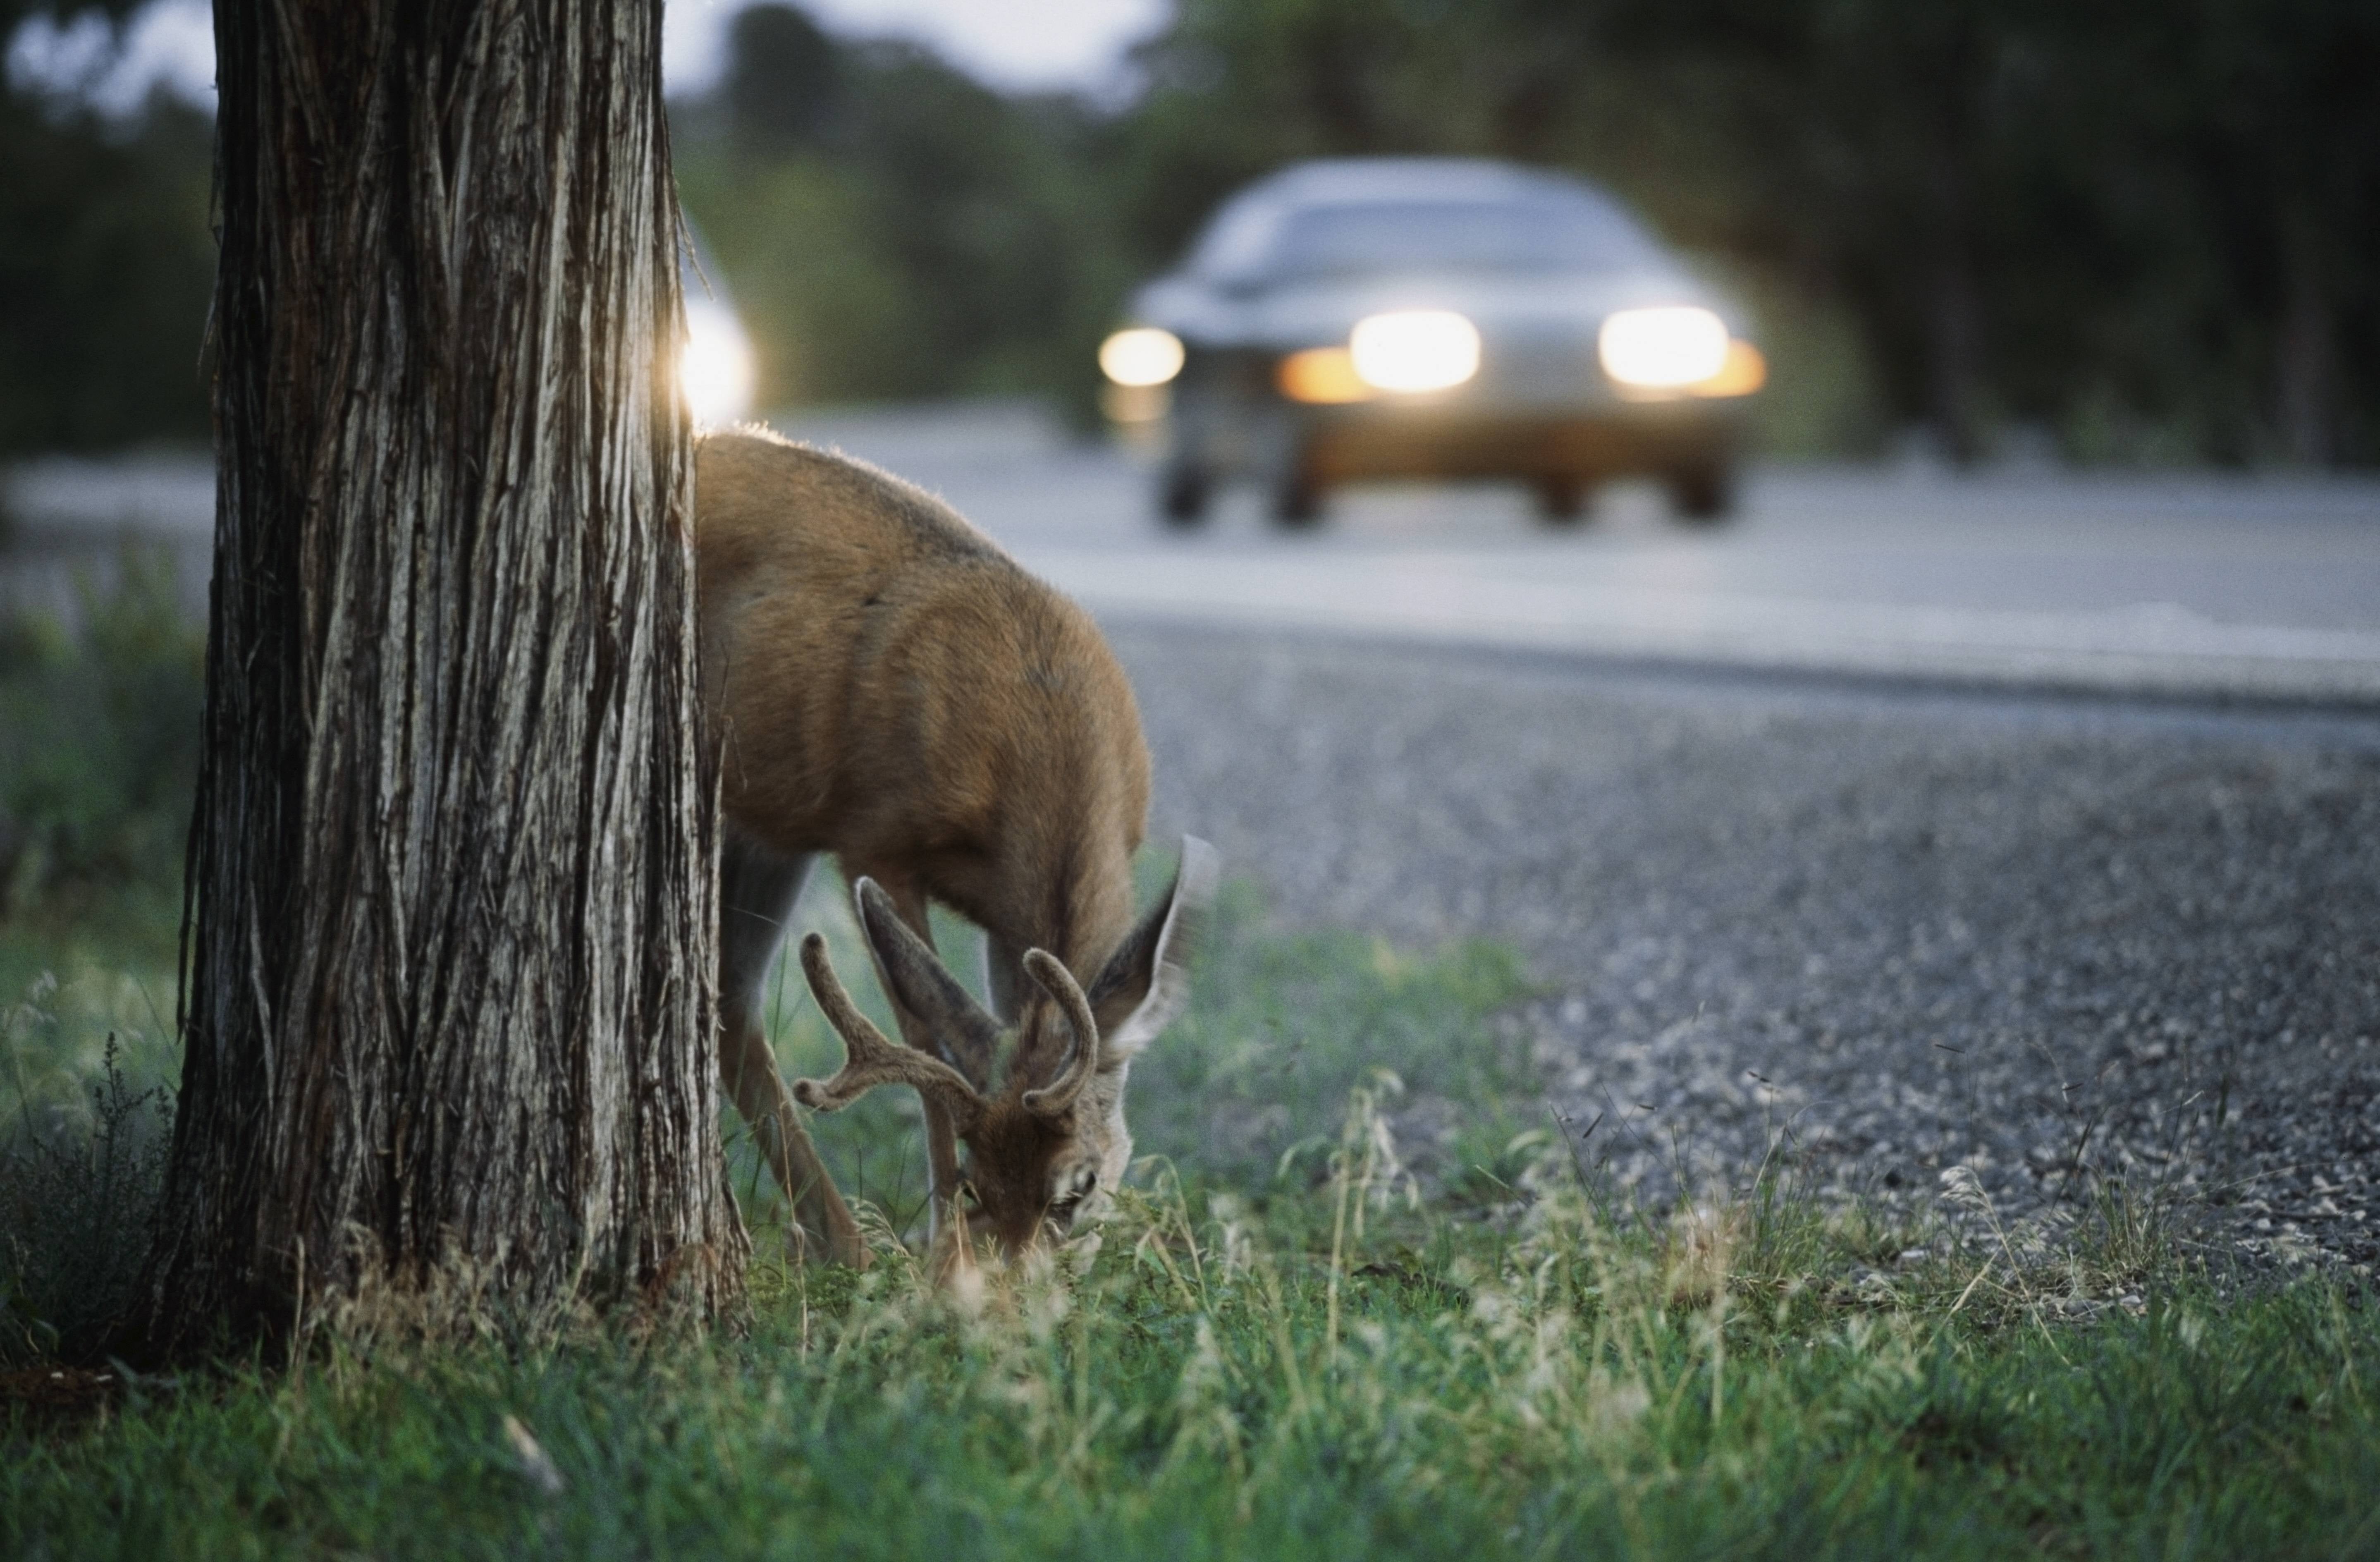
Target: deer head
1047, 1146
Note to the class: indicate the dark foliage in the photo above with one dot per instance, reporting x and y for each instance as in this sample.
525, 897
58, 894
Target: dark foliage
2152, 229
783, 79
105, 264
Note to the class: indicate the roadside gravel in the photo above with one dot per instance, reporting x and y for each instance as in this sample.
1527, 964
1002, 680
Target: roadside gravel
2065, 944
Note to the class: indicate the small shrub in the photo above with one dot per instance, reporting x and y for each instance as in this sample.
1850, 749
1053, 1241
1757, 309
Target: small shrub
76, 1197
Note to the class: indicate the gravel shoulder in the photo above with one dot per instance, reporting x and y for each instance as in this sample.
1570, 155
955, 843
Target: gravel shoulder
2062, 944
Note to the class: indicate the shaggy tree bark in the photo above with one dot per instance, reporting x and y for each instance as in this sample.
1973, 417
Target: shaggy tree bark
448, 957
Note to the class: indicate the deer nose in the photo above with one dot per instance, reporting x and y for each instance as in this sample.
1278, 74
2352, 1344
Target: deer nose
1024, 1236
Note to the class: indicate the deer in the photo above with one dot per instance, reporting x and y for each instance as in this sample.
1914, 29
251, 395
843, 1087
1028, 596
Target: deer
882, 682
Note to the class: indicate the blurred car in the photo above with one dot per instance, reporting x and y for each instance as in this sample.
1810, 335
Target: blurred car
715, 366
1357, 318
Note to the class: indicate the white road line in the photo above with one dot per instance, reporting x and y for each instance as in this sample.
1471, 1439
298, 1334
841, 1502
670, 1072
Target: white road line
2153, 648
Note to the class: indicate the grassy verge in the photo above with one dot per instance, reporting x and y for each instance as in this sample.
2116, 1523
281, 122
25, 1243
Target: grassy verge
1360, 1305
1297, 1345
1206, 1385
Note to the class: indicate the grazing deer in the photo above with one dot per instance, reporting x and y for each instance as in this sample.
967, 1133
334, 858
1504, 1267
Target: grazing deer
887, 684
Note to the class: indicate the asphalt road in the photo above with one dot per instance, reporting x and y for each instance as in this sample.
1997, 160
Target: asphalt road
2198, 587
2253, 586
2021, 824
2054, 940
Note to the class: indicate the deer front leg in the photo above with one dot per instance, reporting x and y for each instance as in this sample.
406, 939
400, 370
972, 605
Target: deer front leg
1003, 977
946, 1233
757, 891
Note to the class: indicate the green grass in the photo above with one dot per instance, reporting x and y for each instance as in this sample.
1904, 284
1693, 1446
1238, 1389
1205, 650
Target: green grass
1339, 1359
1206, 1386
67, 984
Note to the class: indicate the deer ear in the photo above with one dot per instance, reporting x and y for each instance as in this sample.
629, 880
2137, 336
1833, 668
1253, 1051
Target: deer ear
1146, 980
956, 1028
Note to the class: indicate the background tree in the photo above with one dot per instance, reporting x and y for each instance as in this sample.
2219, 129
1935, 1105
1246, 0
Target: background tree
893, 228
2148, 230
106, 260
779, 88
449, 939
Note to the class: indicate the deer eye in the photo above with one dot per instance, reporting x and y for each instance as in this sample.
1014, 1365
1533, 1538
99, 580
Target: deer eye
1063, 1207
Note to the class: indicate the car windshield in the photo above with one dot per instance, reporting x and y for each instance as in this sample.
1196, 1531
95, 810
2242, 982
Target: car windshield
1499, 236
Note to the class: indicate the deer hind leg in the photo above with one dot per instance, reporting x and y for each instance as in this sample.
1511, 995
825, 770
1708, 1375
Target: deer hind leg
757, 891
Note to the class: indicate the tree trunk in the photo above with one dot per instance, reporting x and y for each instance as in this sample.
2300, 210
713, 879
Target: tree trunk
1953, 299
2302, 377
1954, 352
448, 985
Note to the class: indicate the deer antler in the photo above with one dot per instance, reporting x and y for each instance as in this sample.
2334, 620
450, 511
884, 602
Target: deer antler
869, 1060
1051, 976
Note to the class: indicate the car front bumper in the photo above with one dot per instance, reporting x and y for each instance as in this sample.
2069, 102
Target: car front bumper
1331, 445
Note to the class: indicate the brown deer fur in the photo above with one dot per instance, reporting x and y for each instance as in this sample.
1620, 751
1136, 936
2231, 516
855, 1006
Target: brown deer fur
885, 684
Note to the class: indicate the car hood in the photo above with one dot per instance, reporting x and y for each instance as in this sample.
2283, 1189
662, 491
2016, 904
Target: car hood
1294, 315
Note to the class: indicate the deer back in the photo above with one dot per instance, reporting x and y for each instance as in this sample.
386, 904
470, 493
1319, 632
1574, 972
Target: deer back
886, 684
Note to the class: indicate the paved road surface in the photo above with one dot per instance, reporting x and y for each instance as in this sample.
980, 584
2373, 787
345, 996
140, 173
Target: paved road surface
2046, 939
2243, 587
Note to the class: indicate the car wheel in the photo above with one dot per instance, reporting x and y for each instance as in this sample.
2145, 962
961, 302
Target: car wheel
1703, 495
1297, 504
1561, 501
1183, 495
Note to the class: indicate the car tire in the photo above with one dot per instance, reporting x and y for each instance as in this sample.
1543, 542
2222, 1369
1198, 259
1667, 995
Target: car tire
1297, 504
1184, 495
1703, 495
1561, 501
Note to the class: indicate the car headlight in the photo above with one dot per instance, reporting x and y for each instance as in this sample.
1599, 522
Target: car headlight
1745, 371
1662, 348
714, 368
1324, 375
1415, 349
1141, 356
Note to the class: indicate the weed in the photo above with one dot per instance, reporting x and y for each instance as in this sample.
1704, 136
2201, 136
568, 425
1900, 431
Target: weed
1362, 1377
76, 1193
